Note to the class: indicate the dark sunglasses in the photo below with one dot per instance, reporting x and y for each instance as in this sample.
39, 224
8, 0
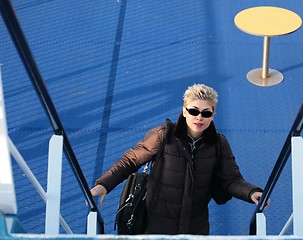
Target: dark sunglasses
196, 112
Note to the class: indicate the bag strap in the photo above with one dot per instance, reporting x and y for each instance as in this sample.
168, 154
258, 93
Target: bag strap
168, 131
167, 135
156, 190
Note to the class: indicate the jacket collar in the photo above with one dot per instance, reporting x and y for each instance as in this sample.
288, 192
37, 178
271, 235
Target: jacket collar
209, 135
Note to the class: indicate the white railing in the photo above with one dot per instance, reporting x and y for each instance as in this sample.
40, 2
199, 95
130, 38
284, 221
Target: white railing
7, 190
54, 174
27, 171
297, 179
52, 197
296, 218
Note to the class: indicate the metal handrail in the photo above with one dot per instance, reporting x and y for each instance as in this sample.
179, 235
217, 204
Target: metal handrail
27, 171
295, 130
16, 33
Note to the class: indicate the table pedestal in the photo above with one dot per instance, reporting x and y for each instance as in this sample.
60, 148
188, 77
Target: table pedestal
265, 76
255, 77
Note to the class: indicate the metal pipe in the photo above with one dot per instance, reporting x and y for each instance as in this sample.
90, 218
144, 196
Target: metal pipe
265, 60
27, 171
287, 225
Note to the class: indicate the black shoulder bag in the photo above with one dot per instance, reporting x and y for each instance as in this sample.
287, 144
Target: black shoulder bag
219, 195
131, 213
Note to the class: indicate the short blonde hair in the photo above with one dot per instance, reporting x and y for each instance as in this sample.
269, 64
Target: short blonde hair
202, 92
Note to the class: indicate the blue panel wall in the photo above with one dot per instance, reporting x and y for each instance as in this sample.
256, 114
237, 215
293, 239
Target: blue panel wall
116, 68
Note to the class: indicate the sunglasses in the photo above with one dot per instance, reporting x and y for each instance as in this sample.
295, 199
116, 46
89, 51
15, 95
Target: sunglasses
196, 112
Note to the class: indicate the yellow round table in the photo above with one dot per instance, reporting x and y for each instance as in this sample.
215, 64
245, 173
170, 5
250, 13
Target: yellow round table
267, 21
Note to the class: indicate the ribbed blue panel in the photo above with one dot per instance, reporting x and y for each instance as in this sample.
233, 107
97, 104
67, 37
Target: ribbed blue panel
114, 71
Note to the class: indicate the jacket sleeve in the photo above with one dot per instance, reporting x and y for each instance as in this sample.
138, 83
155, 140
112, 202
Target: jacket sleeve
233, 181
132, 159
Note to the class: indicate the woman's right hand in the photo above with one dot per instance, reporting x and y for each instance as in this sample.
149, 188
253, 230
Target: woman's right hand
99, 190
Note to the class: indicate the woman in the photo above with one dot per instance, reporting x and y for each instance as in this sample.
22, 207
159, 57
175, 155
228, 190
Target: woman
187, 169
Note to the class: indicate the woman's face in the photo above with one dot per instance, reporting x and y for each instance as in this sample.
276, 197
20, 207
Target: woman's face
197, 124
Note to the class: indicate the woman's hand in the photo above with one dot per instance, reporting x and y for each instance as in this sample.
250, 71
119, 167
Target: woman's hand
99, 190
256, 196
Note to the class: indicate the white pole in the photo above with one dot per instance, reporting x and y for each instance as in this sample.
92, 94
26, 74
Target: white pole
27, 171
287, 224
297, 179
261, 224
7, 189
54, 185
92, 224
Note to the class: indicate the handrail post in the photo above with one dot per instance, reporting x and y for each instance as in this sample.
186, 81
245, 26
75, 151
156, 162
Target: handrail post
7, 189
297, 179
54, 185
261, 224
31, 177
92, 223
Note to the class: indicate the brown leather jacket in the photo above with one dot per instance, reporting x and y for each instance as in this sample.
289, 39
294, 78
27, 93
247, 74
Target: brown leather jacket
185, 181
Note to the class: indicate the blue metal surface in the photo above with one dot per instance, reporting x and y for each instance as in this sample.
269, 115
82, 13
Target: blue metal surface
3, 228
22, 46
114, 71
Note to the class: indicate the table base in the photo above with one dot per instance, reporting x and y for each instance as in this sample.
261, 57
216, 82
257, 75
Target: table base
255, 77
